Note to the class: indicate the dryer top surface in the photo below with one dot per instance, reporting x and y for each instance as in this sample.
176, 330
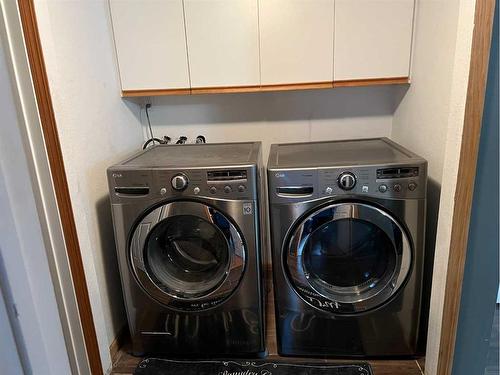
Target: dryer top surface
196, 155
339, 153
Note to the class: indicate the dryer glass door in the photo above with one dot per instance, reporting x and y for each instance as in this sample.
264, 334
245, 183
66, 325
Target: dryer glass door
187, 254
348, 257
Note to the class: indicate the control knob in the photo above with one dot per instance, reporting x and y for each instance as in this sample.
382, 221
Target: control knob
180, 182
347, 181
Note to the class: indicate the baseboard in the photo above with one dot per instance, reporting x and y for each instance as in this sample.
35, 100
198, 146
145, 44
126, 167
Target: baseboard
118, 342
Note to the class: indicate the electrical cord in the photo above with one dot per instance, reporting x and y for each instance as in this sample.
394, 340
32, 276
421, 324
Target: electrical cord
166, 139
151, 140
149, 122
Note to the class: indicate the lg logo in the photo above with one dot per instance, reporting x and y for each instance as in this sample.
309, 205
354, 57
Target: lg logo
117, 175
279, 175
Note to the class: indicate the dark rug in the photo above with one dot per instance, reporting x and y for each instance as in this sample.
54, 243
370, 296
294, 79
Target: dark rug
157, 366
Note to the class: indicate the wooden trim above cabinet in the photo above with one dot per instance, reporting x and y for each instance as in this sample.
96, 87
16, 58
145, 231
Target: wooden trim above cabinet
268, 88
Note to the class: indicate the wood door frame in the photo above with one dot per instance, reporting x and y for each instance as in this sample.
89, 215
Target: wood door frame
58, 172
474, 105
463, 196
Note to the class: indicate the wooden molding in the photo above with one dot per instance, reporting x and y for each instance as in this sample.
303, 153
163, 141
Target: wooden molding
478, 74
372, 82
268, 88
121, 337
297, 86
52, 144
155, 92
224, 90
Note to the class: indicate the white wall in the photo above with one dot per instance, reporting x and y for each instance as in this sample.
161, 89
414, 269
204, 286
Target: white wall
429, 120
96, 129
296, 116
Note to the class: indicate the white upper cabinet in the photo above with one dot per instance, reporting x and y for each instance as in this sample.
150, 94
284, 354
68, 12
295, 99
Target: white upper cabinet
150, 44
259, 45
223, 42
296, 41
372, 38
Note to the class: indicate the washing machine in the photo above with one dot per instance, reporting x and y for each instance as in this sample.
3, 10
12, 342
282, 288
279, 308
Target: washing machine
347, 231
188, 240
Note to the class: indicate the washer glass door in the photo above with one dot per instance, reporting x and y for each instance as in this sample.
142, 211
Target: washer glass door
187, 255
348, 257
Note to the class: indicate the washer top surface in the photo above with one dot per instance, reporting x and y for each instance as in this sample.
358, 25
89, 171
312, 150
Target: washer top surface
195, 155
339, 153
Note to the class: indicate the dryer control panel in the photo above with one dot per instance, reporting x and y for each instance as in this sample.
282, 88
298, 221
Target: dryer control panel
386, 182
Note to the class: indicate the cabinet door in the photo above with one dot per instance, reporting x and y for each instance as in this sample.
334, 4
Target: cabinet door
223, 42
150, 44
296, 41
372, 38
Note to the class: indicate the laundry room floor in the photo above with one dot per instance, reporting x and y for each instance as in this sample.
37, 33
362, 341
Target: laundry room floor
125, 364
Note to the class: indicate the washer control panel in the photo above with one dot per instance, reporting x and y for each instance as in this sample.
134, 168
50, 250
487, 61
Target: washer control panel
217, 183
167, 183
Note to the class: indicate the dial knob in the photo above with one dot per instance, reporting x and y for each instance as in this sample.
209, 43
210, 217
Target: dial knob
347, 181
180, 181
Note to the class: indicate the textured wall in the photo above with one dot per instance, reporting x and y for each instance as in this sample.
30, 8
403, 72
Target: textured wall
278, 117
429, 120
96, 129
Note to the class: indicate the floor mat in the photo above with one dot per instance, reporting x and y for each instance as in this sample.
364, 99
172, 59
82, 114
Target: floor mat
158, 366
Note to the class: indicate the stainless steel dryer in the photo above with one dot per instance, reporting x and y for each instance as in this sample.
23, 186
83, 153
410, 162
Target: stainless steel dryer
186, 222
347, 229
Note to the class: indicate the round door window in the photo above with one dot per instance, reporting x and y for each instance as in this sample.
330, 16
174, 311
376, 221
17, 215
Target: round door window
348, 257
187, 255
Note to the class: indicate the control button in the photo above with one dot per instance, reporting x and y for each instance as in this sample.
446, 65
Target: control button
163, 191
412, 186
328, 190
397, 188
242, 188
227, 189
196, 190
213, 189
347, 181
382, 188
180, 181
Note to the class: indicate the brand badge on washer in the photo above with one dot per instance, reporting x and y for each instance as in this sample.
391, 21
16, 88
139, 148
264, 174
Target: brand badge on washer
247, 208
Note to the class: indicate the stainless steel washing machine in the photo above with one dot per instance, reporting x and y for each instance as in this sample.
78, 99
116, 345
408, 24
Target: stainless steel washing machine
347, 229
187, 232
